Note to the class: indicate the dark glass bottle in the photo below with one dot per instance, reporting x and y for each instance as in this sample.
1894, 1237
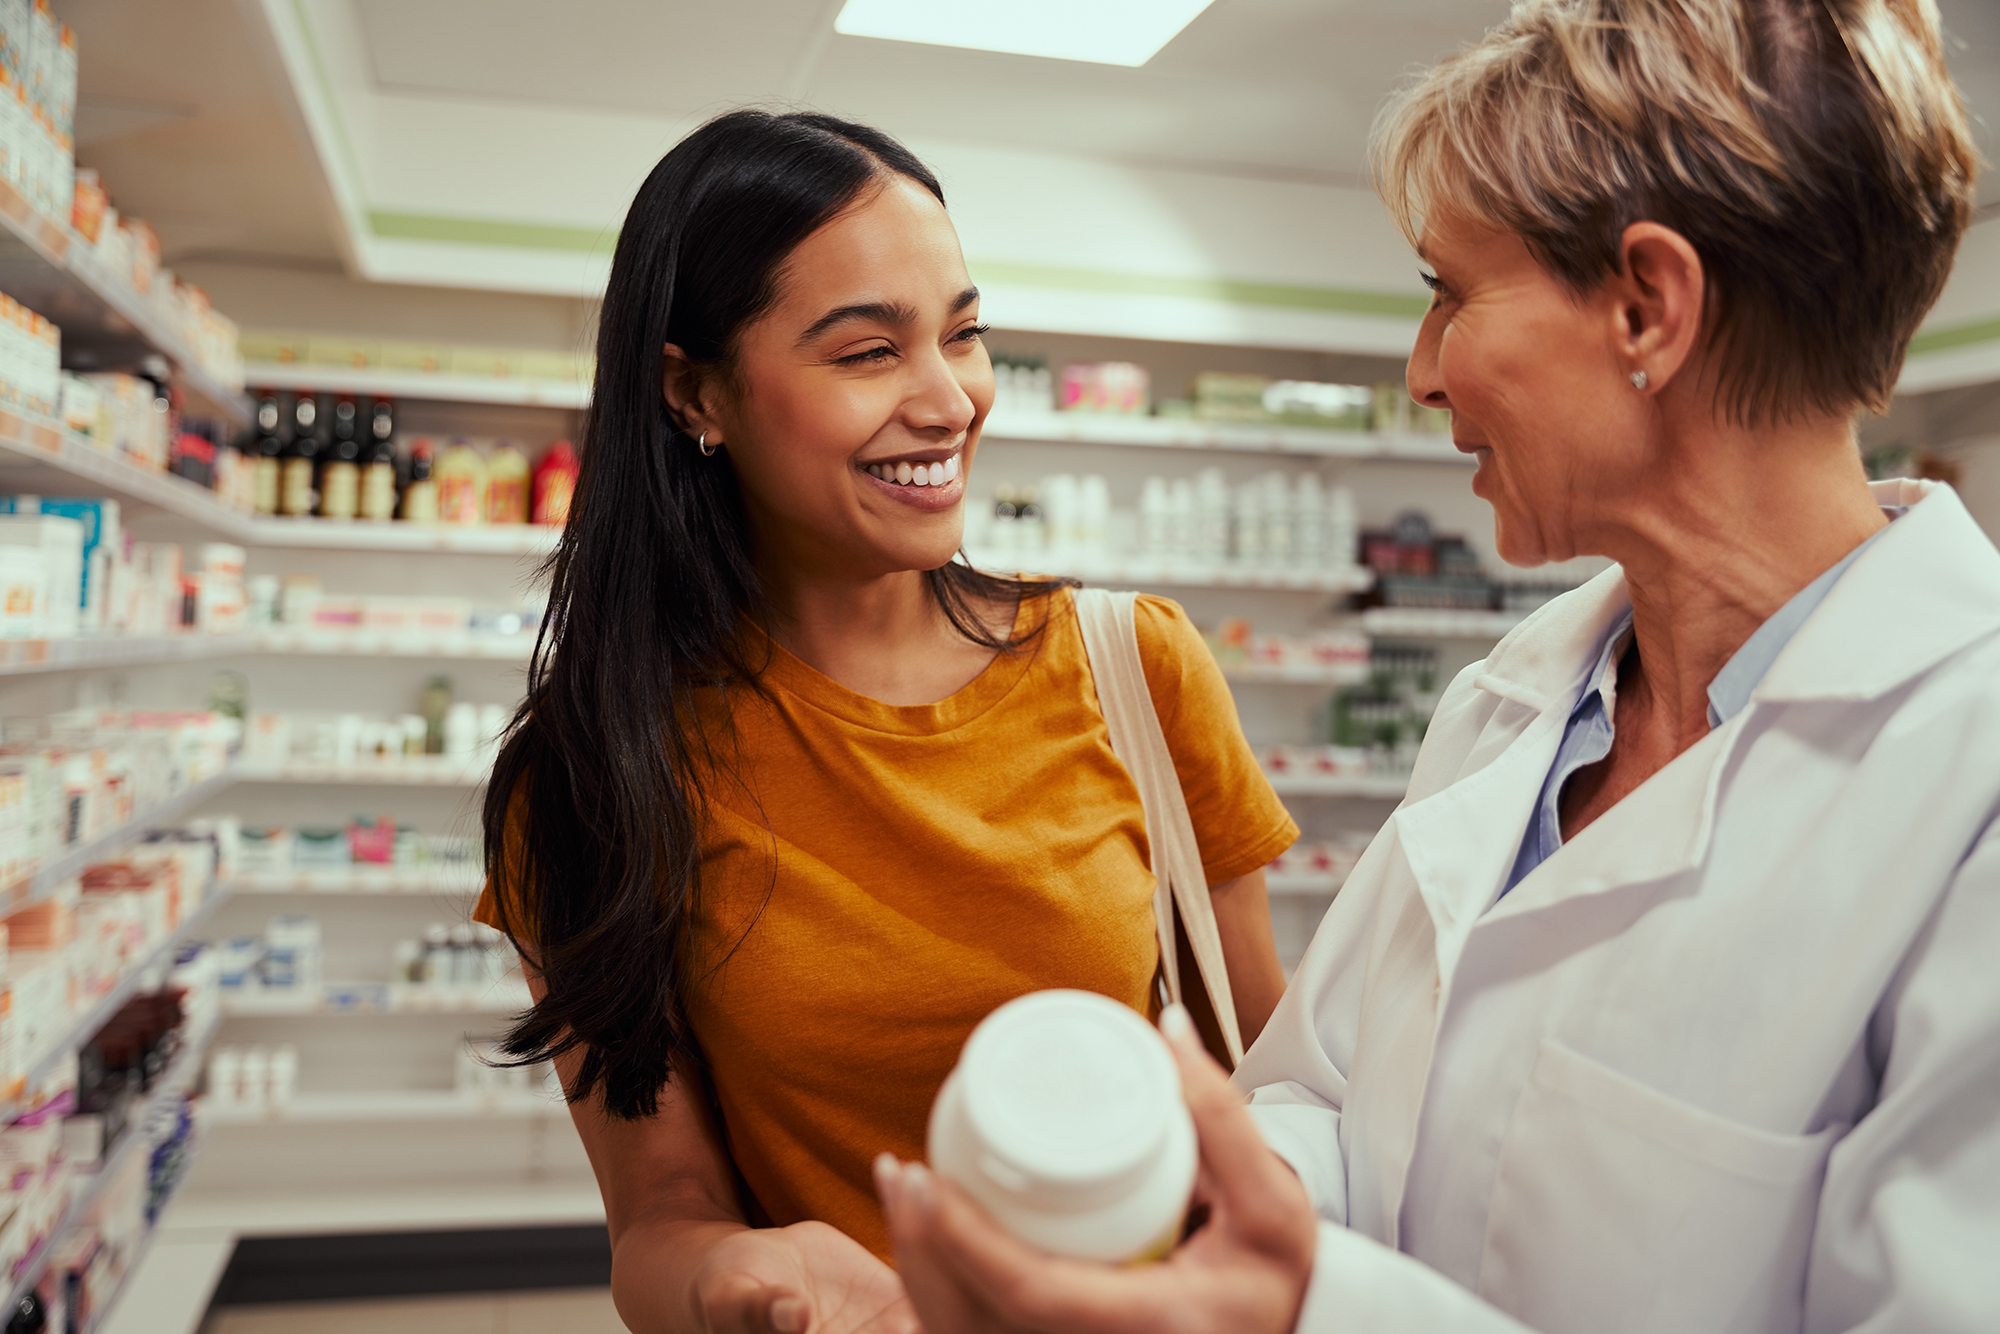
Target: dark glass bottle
340, 469
301, 455
378, 463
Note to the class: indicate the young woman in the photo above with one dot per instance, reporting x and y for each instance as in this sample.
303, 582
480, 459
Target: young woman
795, 798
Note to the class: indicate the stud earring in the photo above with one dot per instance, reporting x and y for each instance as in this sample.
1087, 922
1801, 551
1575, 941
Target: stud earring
1638, 379
701, 443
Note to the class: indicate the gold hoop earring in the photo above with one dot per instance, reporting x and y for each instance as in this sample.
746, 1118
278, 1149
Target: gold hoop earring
701, 443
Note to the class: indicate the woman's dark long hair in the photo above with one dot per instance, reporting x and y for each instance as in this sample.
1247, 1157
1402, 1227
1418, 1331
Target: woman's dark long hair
594, 812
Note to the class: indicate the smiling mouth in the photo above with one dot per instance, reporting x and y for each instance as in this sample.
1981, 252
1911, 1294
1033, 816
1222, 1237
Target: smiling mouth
914, 471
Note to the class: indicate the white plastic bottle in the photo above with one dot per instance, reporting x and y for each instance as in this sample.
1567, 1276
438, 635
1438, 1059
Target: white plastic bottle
1064, 1118
1343, 528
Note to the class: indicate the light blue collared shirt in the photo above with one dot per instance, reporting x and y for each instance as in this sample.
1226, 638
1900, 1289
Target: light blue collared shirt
1587, 735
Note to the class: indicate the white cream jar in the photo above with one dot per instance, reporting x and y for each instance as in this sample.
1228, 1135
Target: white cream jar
1064, 1118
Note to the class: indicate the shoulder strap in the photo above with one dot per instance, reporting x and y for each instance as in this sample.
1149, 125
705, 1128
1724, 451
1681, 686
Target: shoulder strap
1111, 640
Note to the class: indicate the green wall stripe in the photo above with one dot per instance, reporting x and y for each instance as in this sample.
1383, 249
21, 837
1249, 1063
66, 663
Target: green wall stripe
1955, 335
1226, 290
482, 231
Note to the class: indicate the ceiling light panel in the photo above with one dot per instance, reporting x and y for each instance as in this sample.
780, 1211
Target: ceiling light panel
1104, 32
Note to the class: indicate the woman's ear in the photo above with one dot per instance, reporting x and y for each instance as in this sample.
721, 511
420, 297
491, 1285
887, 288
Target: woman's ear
1658, 307
688, 389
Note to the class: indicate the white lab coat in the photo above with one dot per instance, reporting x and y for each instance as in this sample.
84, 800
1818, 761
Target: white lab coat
1730, 1059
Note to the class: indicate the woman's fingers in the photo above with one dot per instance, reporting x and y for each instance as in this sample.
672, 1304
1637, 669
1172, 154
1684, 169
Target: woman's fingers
967, 1269
1240, 1175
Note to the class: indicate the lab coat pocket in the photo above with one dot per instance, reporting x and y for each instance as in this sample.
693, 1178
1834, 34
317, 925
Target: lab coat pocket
1618, 1207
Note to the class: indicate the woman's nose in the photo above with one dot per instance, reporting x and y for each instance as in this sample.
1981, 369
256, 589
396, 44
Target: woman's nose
939, 401
1425, 382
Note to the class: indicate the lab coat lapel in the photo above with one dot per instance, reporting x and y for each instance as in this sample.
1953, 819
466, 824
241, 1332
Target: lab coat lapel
1457, 844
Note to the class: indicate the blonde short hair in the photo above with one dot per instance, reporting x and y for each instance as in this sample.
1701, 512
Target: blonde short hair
1814, 152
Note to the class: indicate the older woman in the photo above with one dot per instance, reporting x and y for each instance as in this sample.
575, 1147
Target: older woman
1670, 998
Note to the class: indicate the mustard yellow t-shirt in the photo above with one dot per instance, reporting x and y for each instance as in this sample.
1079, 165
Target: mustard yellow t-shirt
881, 877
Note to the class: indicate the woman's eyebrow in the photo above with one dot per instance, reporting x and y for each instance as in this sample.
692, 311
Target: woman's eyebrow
877, 312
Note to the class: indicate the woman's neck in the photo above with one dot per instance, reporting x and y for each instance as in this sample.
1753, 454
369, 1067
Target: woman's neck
882, 636
1734, 526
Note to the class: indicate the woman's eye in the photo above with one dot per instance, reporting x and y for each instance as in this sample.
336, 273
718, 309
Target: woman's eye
873, 354
973, 334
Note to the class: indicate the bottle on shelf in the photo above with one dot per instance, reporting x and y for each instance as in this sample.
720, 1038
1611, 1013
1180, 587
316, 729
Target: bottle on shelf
295, 482
378, 463
507, 479
263, 454
420, 503
555, 483
340, 471
461, 484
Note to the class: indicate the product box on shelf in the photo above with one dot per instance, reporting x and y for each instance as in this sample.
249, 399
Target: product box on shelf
60, 542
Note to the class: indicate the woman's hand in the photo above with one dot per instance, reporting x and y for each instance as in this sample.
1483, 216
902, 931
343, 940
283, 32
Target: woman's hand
1243, 1272
793, 1280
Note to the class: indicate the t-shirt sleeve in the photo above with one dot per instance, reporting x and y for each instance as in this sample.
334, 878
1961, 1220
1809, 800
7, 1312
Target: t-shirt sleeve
516, 921
1239, 822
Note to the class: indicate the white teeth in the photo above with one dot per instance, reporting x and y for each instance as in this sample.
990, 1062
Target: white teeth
903, 474
936, 477
951, 468
920, 476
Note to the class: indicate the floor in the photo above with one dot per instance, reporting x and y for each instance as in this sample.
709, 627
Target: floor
575, 1311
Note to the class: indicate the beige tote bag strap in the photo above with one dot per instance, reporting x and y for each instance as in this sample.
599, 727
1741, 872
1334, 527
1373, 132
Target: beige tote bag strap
1111, 639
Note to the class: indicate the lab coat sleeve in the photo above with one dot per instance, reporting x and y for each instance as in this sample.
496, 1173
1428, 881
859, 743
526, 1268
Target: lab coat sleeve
1360, 1286
1909, 1217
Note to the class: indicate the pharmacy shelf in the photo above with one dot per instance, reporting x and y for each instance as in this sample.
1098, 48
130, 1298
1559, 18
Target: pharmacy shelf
42, 882
105, 324
1185, 433
1301, 884
1094, 568
428, 771
1424, 623
358, 880
102, 1308
423, 1205
391, 1106
431, 386
167, 1091
506, 999
511, 539
395, 644
1300, 674
112, 1001
25, 657
39, 457
1377, 787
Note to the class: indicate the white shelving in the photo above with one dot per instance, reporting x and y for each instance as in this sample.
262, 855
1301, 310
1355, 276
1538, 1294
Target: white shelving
41, 882
1423, 623
1185, 433
424, 771
167, 1090
359, 880
418, 1206
1301, 675
1301, 885
392, 1106
377, 998
27, 657
432, 386
394, 644
1377, 787
101, 1010
1104, 568
52, 271
513, 539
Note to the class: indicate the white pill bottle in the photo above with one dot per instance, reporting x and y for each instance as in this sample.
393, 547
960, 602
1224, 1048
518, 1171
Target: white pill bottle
1064, 1118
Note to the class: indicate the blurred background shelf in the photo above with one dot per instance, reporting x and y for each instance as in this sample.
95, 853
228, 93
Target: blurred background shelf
426, 771
1424, 623
1297, 885
431, 386
42, 881
1384, 787
1129, 571
357, 880
1331, 678
1185, 433
391, 1106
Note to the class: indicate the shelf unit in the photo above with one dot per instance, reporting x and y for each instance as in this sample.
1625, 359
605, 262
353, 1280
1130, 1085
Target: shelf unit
1166, 572
391, 1107
1371, 787
179, 1076
42, 881
27, 657
431, 386
1303, 674
1424, 623
358, 880
428, 771
105, 323
107, 1005
1084, 428
503, 999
